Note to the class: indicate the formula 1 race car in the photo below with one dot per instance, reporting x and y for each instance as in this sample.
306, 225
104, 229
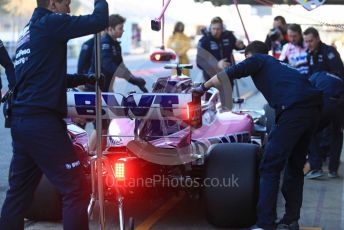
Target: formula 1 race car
170, 136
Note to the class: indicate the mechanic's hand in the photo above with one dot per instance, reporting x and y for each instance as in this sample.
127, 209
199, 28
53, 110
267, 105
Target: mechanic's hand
144, 89
240, 44
139, 82
223, 63
199, 90
92, 79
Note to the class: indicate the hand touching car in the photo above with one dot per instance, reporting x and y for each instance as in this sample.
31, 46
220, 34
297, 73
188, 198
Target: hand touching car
139, 82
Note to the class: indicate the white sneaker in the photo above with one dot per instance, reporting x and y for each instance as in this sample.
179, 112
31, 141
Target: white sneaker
315, 173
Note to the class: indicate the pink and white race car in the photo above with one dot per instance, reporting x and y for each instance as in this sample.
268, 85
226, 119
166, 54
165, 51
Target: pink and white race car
171, 137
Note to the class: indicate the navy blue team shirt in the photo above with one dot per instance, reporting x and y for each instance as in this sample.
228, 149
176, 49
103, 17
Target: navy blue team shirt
41, 58
325, 58
211, 50
281, 85
112, 62
331, 85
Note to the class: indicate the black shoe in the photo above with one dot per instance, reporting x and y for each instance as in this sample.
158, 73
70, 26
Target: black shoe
291, 226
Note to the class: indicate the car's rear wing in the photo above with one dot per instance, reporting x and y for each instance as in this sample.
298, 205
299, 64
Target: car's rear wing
161, 106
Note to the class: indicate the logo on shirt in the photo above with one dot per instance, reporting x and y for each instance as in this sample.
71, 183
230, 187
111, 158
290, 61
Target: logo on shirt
331, 55
72, 165
213, 46
22, 56
225, 42
105, 46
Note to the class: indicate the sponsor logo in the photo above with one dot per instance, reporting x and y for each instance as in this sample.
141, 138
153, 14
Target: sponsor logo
21, 56
137, 105
72, 165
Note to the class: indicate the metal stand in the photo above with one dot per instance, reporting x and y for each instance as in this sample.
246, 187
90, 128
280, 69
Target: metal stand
93, 194
99, 134
97, 161
120, 211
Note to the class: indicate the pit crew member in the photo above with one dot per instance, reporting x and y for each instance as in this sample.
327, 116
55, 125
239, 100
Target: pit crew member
332, 115
277, 36
215, 48
322, 57
294, 52
40, 140
297, 105
112, 66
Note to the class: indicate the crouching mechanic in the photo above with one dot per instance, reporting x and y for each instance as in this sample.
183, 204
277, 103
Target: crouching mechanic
112, 66
40, 140
332, 114
297, 105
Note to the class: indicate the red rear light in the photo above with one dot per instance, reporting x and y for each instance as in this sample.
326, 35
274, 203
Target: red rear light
157, 57
119, 171
163, 56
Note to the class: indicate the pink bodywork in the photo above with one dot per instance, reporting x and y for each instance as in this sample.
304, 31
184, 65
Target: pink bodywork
216, 126
223, 126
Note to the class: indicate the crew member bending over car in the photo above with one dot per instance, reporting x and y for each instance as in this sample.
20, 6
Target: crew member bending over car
332, 115
6, 62
322, 57
40, 140
297, 105
112, 66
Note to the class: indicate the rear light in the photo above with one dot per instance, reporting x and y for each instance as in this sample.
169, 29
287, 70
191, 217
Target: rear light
119, 171
157, 57
163, 55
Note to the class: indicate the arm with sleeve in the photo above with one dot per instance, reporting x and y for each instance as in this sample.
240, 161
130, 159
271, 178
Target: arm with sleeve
74, 80
6, 62
64, 27
238, 44
245, 68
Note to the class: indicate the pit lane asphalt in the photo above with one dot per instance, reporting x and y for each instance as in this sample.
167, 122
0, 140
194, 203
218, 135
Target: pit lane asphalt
323, 199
